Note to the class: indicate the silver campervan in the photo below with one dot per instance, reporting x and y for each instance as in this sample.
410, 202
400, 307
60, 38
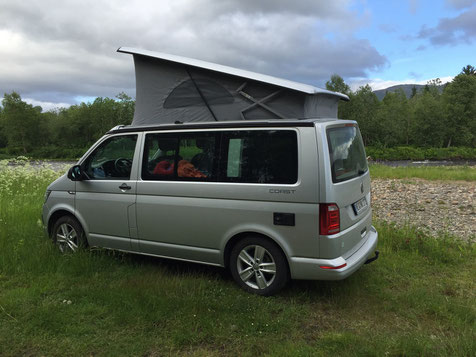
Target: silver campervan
269, 200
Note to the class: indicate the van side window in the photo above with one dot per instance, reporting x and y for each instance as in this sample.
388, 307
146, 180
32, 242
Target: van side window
198, 156
246, 156
188, 156
259, 156
112, 159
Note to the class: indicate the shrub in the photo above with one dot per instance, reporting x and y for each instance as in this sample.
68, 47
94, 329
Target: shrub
415, 153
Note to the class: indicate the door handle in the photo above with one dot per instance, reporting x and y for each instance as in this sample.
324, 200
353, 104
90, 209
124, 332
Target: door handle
125, 187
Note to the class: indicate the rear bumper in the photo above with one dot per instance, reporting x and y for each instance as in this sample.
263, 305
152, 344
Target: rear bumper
310, 269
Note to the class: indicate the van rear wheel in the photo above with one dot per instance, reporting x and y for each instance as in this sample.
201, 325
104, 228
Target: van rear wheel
259, 266
68, 235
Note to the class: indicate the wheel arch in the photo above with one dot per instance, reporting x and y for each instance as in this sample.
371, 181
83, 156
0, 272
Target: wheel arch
61, 212
241, 235
57, 215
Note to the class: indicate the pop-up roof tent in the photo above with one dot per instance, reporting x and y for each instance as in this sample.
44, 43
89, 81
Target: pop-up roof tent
172, 88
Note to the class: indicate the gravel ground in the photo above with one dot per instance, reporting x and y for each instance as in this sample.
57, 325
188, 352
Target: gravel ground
433, 206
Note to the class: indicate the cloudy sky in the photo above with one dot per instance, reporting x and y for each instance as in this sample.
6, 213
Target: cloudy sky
57, 53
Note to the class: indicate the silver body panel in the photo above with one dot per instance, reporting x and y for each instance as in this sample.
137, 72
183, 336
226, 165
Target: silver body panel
194, 221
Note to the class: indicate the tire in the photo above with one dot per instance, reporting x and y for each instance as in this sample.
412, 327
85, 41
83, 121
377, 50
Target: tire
68, 235
259, 266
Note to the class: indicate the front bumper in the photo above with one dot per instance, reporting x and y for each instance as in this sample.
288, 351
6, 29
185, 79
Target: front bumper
44, 218
310, 268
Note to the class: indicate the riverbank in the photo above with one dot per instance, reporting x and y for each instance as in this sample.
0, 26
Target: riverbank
421, 153
438, 208
55, 165
425, 163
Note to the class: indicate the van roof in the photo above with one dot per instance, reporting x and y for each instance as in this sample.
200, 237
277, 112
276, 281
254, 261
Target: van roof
172, 88
280, 82
222, 124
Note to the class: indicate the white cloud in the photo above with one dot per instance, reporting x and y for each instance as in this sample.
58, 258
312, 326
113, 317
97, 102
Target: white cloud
57, 51
452, 30
46, 106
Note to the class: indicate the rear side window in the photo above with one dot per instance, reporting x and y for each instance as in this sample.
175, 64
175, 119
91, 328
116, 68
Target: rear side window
259, 156
347, 153
245, 156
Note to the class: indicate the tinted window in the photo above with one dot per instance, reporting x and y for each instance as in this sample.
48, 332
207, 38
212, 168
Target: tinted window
259, 156
112, 159
179, 157
248, 156
347, 153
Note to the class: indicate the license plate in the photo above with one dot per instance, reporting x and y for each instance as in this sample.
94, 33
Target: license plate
360, 205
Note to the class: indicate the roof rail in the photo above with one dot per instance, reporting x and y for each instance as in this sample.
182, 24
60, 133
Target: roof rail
118, 127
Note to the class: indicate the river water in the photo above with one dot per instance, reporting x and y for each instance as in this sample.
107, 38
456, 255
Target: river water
39, 164
55, 165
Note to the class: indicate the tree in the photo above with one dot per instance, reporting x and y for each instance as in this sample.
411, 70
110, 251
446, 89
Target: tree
363, 107
21, 122
459, 100
337, 84
428, 119
3, 138
469, 70
126, 107
434, 82
81, 125
394, 119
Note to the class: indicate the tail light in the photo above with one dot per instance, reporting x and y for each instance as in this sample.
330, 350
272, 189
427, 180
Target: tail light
329, 219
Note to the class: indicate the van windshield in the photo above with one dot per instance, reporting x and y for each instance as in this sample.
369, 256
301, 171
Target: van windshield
347, 153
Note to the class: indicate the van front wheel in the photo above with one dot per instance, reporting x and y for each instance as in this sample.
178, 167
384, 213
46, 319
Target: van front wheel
68, 235
259, 266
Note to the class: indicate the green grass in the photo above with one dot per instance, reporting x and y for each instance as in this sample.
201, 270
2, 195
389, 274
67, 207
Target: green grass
417, 299
446, 173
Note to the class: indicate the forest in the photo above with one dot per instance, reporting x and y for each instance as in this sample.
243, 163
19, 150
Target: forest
439, 117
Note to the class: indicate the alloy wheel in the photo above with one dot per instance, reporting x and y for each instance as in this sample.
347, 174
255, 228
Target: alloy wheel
67, 238
256, 267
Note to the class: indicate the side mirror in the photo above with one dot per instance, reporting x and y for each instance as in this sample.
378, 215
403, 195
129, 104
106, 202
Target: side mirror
76, 174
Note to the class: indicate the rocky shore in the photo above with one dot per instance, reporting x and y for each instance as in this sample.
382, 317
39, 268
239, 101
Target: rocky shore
432, 206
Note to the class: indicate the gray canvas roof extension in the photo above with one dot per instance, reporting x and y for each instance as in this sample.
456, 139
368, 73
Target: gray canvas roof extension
171, 88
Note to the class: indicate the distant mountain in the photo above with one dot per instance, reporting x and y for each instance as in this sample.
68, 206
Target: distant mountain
407, 89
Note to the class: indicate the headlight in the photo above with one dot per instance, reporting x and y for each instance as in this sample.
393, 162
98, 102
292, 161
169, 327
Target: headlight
47, 194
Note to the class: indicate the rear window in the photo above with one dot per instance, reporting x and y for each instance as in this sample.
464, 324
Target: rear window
347, 153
